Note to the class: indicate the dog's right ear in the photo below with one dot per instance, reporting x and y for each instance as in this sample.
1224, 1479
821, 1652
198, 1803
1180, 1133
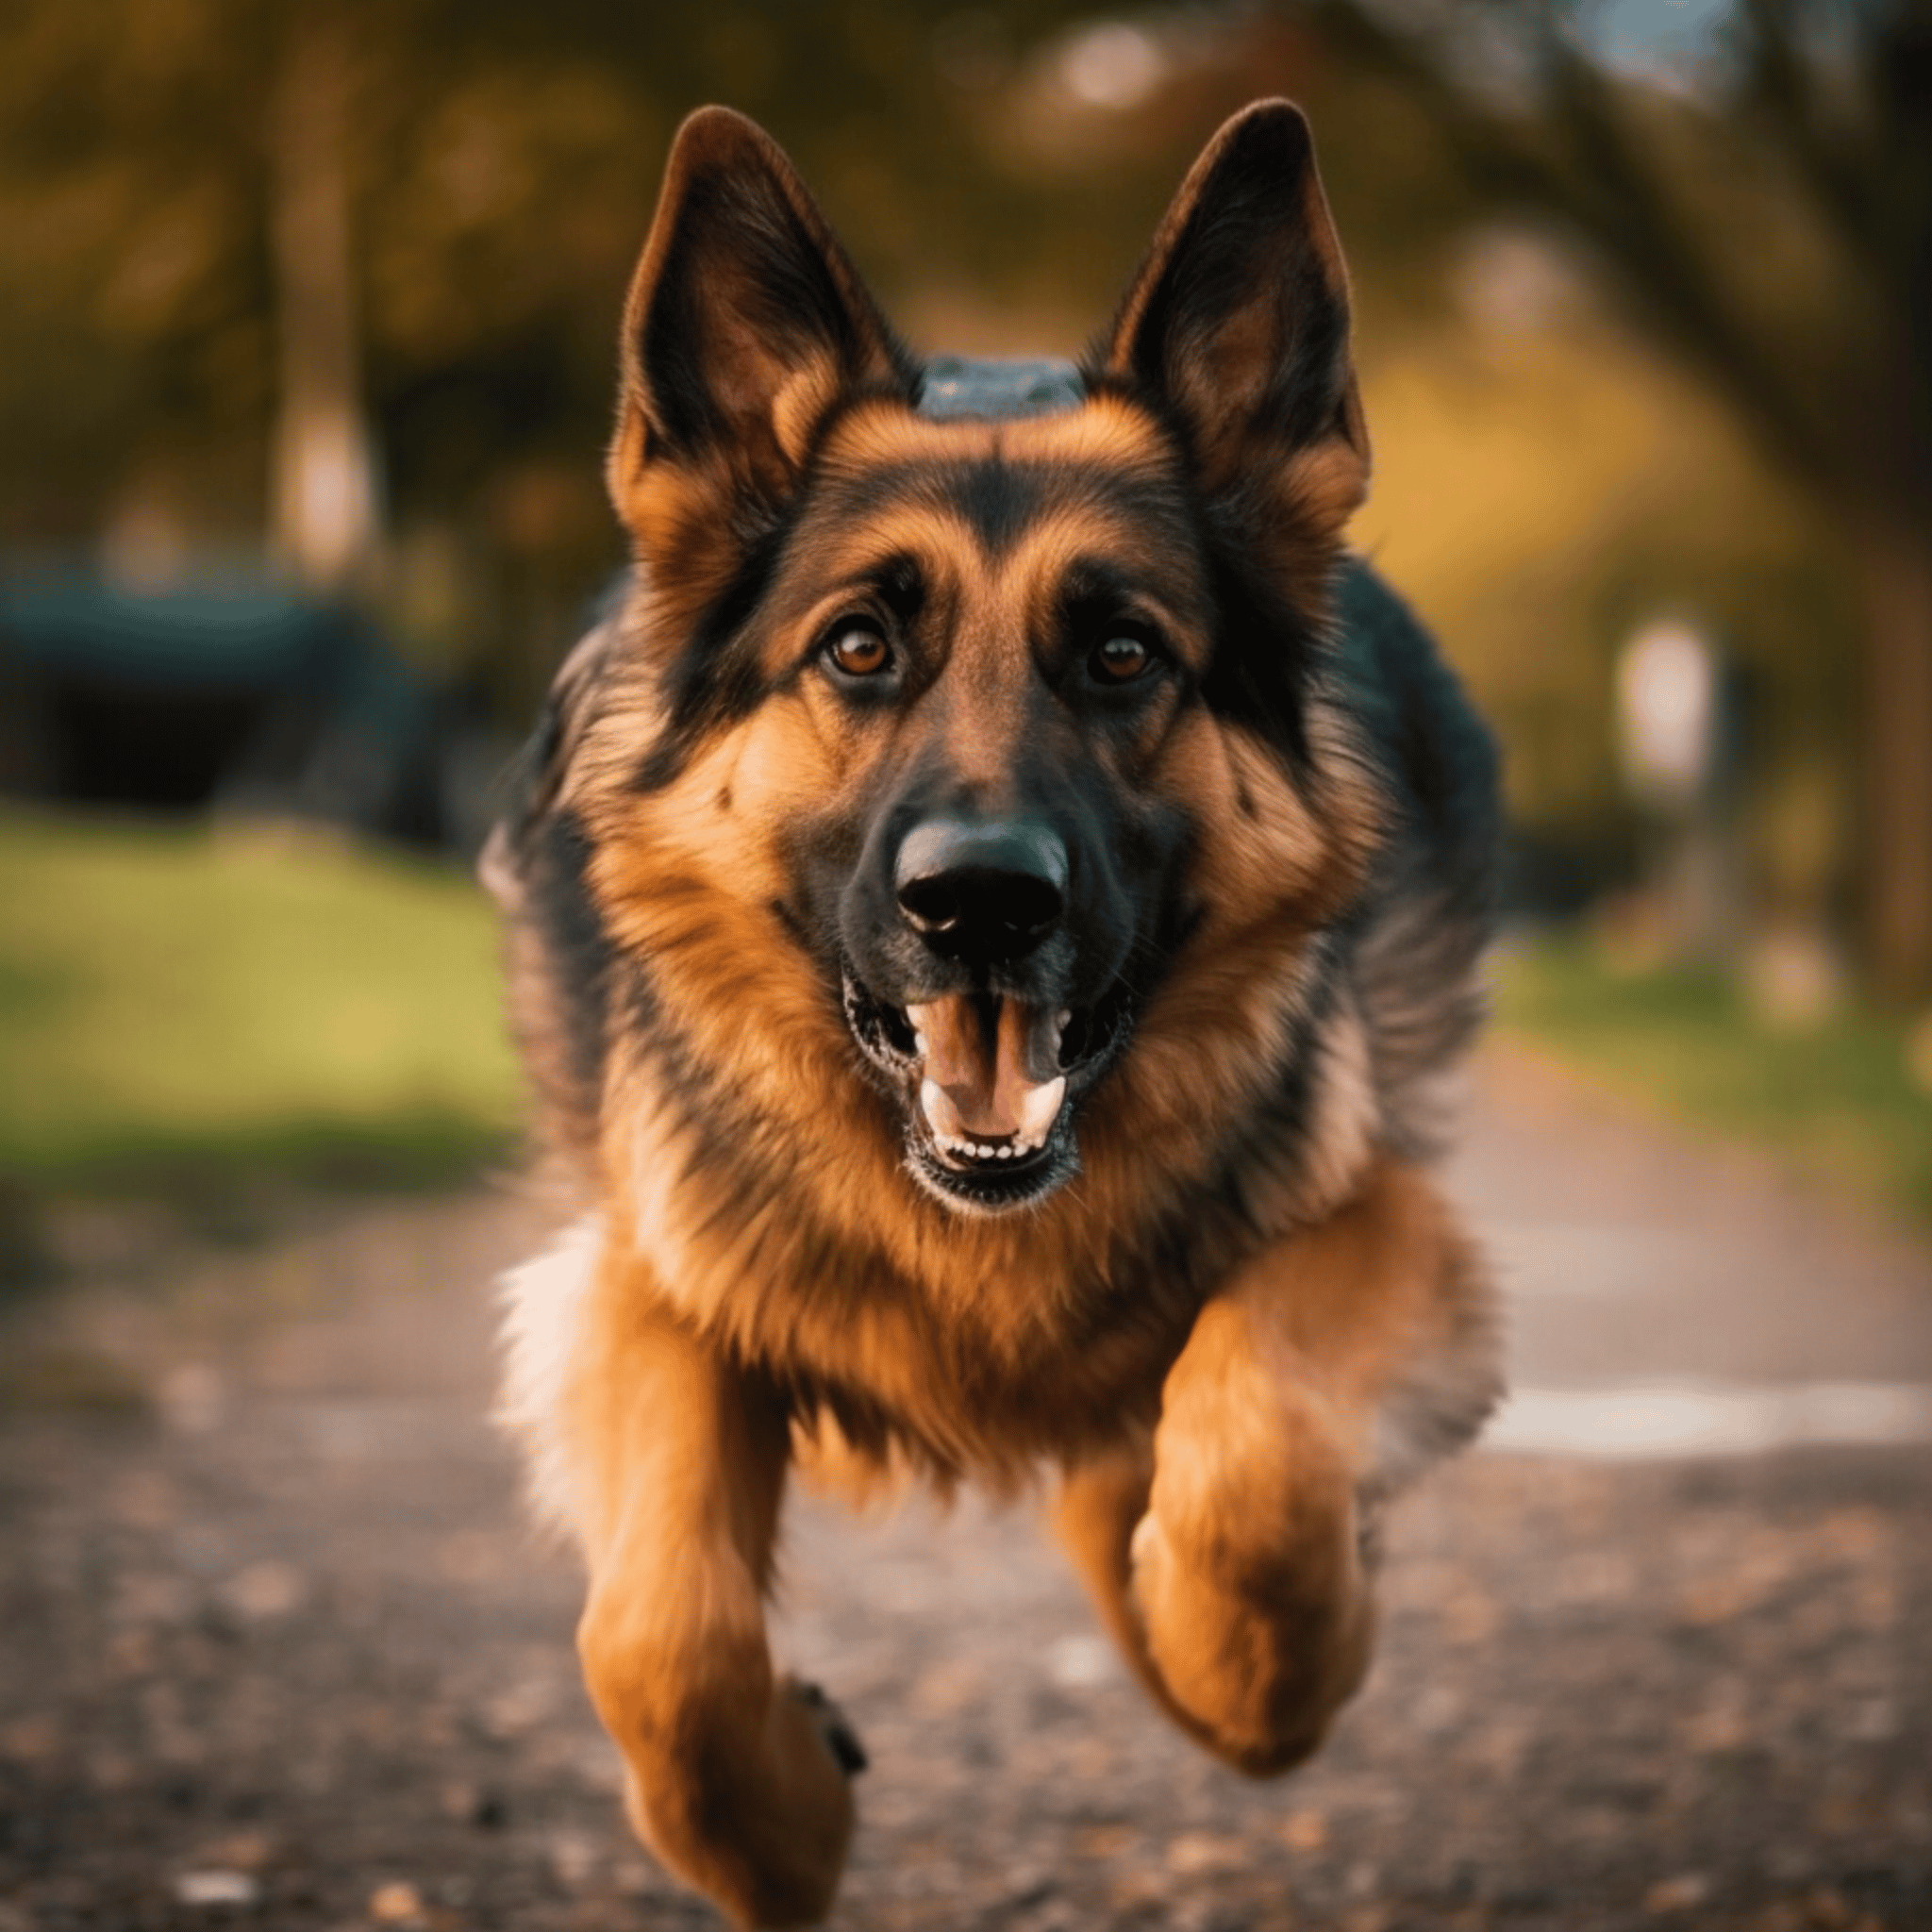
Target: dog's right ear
745, 322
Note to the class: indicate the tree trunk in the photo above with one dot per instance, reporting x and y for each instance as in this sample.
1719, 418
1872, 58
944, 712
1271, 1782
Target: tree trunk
323, 489
1896, 571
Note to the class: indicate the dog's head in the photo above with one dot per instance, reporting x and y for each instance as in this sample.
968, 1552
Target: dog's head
972, 701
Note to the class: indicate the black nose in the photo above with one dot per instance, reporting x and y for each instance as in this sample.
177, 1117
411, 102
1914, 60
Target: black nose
990, 891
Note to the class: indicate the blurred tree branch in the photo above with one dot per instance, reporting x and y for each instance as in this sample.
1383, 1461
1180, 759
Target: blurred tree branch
1770, 220
215, 244
323, 497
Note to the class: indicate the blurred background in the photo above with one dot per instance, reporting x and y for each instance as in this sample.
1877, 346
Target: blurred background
307, 316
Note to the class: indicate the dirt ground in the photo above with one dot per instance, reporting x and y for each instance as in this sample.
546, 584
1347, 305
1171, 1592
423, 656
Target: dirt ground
275, 1649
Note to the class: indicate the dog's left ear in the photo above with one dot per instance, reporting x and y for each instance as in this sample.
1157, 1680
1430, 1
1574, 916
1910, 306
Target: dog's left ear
745, 322
1236, 328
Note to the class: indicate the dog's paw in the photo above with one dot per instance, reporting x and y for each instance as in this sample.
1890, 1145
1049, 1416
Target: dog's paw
840, 1740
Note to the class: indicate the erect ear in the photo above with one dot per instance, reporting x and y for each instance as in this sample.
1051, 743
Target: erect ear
1236, 328
744, 322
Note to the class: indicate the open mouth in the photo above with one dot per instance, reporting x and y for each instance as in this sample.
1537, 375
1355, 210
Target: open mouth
988, 1083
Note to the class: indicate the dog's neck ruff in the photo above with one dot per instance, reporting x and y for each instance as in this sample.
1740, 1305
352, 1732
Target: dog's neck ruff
983, 386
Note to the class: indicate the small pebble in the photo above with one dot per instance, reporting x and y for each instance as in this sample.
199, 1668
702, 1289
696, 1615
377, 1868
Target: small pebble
1196, 1852
30, 1737
1304, 1831
192, 1399
398, 1903
214, 1886
1076, 1663
1683, 1893
264, 1590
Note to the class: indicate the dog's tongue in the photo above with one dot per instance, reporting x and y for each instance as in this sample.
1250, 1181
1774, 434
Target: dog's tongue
991, 1068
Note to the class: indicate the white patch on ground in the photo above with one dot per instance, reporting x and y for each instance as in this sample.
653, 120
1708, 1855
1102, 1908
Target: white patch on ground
1080, 1662
1654, 1421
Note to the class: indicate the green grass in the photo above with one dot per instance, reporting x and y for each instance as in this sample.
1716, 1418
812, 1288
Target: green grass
188, 1009
180, 1007
1835, 1101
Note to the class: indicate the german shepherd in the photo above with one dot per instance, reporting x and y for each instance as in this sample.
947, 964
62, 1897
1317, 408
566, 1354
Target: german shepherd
988, 912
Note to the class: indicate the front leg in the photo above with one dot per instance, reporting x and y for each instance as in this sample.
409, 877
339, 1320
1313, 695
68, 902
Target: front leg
1231, 1559
737, 1778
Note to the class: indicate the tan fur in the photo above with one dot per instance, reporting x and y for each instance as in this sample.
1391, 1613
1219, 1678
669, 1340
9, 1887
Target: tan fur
682, 1462
1233, 1347
1226, 1553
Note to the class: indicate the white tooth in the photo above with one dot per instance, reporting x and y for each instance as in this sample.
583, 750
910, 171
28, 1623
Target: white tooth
941, 1116
919, 1041
1006, 1153
1042, 1108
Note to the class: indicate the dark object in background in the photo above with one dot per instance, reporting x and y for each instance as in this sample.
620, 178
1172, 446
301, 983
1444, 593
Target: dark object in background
251, 700
1549, 876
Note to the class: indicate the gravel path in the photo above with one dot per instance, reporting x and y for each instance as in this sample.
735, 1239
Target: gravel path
274, 1648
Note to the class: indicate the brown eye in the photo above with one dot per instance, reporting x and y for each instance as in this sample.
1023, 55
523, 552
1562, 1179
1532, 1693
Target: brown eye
1120, 660
860, 651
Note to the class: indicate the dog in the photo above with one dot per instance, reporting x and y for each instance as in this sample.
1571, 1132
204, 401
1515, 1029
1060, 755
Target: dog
990, 910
